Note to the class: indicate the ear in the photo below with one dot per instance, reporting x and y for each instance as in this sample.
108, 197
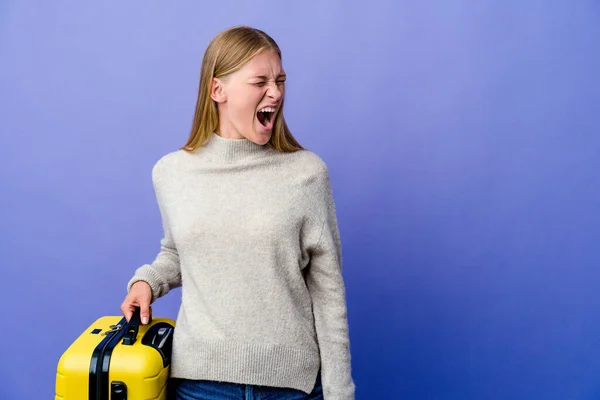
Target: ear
217, 91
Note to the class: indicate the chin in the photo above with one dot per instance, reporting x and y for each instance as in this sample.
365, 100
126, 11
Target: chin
261, 138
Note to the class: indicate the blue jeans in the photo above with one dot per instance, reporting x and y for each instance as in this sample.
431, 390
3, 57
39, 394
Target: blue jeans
185, 389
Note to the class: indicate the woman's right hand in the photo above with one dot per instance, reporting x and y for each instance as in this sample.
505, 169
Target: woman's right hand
140, 296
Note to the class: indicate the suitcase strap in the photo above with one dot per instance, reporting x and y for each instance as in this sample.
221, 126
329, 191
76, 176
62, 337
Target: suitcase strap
98, 377
99, 365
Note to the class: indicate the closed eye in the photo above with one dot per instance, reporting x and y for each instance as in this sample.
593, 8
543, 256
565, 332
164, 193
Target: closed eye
260, 84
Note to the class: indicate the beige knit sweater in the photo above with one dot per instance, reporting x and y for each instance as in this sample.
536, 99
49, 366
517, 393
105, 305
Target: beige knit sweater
251, 236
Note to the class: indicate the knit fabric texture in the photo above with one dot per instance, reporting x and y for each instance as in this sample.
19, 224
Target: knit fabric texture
251, 237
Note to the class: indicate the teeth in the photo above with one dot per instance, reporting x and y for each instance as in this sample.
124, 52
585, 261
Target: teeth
267, 109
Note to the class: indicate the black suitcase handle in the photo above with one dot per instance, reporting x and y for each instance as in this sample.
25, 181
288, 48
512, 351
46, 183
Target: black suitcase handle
132, 327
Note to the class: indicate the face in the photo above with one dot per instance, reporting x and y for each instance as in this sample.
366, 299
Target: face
249, 99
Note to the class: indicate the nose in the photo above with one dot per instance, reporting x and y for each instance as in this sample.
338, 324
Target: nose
274, 92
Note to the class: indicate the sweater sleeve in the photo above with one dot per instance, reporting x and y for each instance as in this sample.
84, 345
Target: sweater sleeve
164, 273
326, 286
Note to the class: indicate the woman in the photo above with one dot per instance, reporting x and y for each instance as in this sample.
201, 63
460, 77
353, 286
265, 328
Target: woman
251, 236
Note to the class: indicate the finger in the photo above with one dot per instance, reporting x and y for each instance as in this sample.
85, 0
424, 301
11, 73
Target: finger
145, 312
130, 304
127, 311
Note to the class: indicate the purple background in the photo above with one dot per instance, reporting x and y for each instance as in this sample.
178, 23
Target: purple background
463, 143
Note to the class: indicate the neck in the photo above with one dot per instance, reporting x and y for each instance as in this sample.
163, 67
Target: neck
227, 131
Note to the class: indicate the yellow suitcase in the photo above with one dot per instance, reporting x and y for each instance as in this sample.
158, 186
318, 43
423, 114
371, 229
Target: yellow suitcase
116, 360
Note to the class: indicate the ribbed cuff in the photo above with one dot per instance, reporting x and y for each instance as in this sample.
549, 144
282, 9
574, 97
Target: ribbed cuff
148, 275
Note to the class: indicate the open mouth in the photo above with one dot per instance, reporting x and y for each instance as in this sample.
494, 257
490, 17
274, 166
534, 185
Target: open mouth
265, 116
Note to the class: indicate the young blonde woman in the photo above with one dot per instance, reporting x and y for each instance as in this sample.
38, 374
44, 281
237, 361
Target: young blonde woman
251, 236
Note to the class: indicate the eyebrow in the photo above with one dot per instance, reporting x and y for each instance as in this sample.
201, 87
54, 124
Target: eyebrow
282, 75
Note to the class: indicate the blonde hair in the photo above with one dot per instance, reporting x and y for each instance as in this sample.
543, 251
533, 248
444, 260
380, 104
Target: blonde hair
227, 53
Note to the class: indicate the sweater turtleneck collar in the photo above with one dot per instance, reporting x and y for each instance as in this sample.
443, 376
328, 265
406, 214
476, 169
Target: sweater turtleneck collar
230, 151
